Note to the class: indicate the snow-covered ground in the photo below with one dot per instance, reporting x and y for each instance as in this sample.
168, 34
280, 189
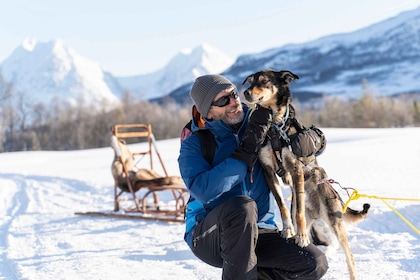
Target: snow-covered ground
41, 238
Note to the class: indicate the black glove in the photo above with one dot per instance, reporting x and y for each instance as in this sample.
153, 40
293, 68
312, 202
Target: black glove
254, 136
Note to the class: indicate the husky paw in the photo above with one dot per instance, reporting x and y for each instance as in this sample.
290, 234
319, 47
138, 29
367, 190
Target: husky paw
302, 240
288, 233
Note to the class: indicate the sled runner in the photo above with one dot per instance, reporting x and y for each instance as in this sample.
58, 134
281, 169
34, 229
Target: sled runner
141, 186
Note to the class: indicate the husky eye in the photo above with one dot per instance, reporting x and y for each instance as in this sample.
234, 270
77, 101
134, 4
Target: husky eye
265, 81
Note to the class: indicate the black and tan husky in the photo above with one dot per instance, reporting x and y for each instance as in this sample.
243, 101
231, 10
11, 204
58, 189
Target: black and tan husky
316, 208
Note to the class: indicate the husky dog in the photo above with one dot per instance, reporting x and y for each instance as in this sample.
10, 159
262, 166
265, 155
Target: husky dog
316, 207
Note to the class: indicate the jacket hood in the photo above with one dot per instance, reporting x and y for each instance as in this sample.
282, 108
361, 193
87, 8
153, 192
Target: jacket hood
198, 120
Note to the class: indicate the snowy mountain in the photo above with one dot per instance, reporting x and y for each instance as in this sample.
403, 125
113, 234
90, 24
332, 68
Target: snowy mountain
42, 72
385, 57
182, 69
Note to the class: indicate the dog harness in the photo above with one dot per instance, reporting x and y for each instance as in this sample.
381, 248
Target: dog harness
305, 144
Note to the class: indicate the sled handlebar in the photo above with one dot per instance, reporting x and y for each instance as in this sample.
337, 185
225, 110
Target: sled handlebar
115, 146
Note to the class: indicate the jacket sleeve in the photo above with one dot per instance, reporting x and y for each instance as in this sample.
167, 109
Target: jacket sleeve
205, 182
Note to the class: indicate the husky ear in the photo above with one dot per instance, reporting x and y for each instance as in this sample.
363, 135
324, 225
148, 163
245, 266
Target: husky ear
249, 79
287, 76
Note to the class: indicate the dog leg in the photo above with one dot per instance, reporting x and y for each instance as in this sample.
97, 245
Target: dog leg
269, 165
295, 168
302, 238
333, 216
344, 243
323, 234
274, 185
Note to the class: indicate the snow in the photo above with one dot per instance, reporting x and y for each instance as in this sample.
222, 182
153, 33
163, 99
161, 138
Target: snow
377, 30
183, 68
51, 70
41, 238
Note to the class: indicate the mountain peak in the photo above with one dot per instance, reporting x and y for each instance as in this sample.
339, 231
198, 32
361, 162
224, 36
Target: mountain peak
207, 47
43, 71
183, 68
203, 47
29, 44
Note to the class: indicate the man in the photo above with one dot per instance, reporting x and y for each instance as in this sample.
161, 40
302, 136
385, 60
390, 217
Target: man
230, 218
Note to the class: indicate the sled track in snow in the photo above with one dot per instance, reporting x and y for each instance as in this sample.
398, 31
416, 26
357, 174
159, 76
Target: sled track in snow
28, 204
15, 202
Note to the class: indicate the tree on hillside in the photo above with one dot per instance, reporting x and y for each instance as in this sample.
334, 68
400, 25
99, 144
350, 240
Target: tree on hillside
416, 113
62, 127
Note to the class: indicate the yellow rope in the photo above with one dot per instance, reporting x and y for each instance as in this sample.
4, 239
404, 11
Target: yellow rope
402, 217
356, 195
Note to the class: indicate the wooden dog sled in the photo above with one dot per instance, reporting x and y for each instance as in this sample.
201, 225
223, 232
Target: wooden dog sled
143, 187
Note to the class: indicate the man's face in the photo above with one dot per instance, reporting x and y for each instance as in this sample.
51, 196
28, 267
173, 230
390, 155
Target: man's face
226, 107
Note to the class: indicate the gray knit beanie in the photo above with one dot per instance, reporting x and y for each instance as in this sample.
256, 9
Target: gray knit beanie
205, 89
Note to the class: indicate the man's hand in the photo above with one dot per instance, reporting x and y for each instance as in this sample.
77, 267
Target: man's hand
254, 136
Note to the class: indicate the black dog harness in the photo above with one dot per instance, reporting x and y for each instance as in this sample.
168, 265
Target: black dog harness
279, 138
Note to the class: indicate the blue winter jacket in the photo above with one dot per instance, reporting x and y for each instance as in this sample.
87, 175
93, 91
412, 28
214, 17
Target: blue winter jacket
211, 184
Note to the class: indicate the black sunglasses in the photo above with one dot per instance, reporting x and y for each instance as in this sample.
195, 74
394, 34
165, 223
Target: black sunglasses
225, 100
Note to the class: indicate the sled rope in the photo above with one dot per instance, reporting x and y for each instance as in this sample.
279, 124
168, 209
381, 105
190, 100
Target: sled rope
356, 195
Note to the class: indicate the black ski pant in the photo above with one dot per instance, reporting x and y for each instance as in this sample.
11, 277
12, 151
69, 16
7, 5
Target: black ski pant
228, 237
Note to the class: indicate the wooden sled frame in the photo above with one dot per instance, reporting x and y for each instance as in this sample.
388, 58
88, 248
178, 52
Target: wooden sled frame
127, 131
142, 209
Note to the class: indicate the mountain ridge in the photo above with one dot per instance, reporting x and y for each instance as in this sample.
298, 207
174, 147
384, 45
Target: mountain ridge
337, 64
46, 71
183, 68
382, 58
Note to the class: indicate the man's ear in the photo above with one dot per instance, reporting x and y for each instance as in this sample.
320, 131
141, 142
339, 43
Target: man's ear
209, 116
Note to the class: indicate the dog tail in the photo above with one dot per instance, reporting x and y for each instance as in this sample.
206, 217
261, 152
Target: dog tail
354, 216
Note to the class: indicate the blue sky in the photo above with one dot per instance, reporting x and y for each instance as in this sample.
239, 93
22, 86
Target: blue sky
130, 37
